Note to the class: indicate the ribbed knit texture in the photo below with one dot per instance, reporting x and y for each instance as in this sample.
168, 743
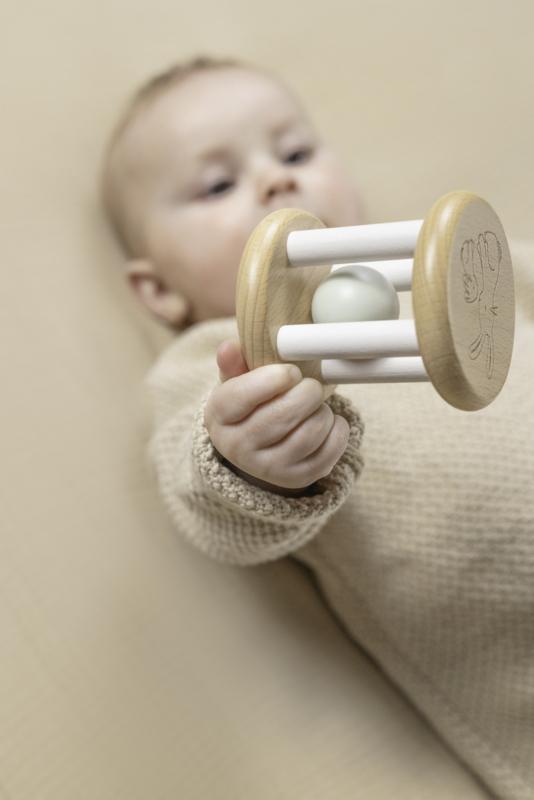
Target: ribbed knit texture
421, 540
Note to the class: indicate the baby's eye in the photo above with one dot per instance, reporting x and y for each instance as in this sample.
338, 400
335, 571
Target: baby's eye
299, 155
218, 188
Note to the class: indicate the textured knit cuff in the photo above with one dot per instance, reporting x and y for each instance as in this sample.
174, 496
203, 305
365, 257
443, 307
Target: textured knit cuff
269, 525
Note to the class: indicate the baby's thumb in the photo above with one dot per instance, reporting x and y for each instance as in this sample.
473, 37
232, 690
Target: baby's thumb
230, 360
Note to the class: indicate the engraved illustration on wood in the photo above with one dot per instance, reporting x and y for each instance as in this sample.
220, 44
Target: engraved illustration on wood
462, 291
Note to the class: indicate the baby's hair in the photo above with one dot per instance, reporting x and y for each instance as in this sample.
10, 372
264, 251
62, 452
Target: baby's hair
147, 92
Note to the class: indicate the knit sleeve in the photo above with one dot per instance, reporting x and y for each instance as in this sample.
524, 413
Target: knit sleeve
223, 514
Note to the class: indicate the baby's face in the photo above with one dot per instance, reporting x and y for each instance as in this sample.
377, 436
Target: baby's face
205, 162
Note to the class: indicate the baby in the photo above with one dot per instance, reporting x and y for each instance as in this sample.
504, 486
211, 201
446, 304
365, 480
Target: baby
193, 168
426, 552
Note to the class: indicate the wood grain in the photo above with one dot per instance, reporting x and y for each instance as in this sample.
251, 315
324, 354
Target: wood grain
271, 293
463, 300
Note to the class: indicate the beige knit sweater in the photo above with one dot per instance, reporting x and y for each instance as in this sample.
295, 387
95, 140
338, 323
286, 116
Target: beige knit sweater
421, 538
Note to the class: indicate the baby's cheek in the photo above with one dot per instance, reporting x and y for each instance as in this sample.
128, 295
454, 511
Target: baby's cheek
232, 231
339, 194
214, 224
215, 260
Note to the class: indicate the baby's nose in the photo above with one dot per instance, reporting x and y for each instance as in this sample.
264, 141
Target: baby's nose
280, 184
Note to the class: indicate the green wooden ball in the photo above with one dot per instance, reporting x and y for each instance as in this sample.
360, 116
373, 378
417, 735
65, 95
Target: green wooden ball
353, 294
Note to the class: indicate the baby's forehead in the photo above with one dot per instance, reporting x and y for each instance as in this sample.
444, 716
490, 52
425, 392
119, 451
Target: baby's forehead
204, 110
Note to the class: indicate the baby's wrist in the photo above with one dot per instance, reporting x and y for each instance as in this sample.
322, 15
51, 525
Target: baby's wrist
305, 491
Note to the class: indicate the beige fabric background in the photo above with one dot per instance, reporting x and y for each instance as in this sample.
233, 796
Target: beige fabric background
130, 665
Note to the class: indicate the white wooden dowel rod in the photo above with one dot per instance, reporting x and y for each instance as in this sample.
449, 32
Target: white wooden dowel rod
399, 271
385, 240
368, 339
374, 370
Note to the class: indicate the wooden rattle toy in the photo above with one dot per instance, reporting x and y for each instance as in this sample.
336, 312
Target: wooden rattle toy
342, 325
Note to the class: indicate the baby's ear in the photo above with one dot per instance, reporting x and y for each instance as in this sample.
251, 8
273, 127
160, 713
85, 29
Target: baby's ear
167, 305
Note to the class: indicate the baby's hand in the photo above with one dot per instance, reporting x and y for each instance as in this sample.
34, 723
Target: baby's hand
272, 423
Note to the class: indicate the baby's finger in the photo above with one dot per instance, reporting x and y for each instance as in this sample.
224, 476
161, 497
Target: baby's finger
237, 397
332, 448
306, 438
321, 462
230, 360
272, 421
